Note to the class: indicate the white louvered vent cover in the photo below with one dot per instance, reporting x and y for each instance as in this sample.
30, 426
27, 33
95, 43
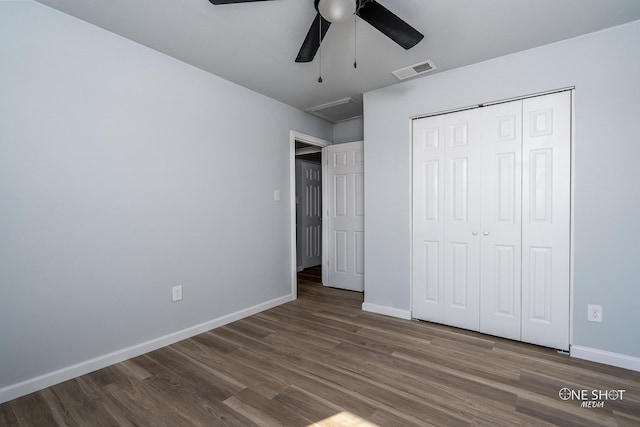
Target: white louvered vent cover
414, 70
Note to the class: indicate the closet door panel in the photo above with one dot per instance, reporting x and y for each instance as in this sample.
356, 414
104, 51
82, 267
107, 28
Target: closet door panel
428, 219
546, 194
462, 158
500, 304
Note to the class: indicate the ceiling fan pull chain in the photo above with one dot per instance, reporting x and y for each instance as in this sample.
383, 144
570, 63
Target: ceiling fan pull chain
320, 48
355, 42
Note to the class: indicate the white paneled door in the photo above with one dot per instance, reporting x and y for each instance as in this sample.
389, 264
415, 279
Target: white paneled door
546, 215
491, 211
446, 220
501, 224
428, 219
310, 209
345, 216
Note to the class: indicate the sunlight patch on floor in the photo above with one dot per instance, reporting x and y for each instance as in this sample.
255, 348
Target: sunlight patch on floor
343, 419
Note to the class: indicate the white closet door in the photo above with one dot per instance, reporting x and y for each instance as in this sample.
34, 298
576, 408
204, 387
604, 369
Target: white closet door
546, 204
345, 215
462, 192
501, 220
428, 219
446, 157
491, 219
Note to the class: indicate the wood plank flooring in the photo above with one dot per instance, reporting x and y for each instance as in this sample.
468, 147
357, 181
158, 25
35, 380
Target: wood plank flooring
322, 361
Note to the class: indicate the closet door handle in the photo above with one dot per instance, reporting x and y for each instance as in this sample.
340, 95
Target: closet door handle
485, 233
474, 232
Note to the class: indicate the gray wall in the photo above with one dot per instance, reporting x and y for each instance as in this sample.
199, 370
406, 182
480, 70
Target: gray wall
124, 172
348, 131
604, 67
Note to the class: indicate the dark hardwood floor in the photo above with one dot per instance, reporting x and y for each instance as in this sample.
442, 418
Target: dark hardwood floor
321, 360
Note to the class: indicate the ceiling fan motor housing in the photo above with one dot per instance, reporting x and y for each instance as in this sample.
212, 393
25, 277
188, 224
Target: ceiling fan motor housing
336, 10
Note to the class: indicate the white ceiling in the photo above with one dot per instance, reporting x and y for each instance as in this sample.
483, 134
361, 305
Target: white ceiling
255, 44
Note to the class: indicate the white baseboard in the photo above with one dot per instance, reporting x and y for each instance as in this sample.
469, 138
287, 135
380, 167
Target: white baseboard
606, 357
387, 311
47, 380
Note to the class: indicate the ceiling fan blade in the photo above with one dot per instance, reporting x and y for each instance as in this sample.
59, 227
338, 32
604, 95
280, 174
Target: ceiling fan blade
390, 25
313, 39
233, 1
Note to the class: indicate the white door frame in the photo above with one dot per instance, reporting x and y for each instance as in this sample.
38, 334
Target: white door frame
311, 140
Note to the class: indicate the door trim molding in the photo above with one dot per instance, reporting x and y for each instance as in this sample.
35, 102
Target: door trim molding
318, 142
489, 103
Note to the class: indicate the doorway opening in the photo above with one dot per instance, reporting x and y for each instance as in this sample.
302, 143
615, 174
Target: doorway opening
308, 207
308, 249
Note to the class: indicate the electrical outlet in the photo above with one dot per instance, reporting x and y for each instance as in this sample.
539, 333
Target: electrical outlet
594, 313
177, 293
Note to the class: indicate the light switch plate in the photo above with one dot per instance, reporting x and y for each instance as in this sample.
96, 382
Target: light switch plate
177, 293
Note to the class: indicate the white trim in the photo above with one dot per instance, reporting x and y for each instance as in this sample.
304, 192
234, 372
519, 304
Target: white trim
52, 378
572, 252
325, 217
487, 104
387, 311
308, 150
606, 357
307, 139
411, 218
311, 140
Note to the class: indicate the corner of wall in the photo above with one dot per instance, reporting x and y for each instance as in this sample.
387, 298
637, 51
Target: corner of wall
387, 311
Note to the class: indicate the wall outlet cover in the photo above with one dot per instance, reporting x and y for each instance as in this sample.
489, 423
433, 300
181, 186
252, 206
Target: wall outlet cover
594, 313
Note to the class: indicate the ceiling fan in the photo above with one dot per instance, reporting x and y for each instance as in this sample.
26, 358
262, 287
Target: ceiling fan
329, 11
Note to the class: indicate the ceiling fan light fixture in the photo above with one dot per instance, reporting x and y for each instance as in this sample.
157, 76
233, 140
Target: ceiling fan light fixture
336, 10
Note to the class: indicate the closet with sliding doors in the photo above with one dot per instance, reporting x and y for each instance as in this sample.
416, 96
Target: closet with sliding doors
491, 211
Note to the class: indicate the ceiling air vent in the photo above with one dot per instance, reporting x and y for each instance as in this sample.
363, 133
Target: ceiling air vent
414, 70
